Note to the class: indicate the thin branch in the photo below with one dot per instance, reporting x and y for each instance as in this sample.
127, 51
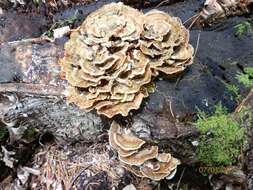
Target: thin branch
171, 111
197, 46
179, 181
76, 177
193, 22
39, 89
192, 17
161, 3
31, 40
244, 102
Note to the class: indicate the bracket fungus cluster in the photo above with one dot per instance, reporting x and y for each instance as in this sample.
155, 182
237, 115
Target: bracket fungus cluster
116, 52
138, 157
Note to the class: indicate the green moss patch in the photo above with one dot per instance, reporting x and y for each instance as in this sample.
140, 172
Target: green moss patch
221, 138
246, 78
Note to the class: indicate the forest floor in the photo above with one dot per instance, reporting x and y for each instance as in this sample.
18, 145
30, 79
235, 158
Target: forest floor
56, 153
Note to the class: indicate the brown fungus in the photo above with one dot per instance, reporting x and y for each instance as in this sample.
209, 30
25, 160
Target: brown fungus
158, 170
139, 158
123, 139
116, 52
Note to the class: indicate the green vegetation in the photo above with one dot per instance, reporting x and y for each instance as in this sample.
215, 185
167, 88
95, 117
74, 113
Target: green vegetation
235, 90
150, 87
69, 21
221, 138
36, 2
245, 27
246, 78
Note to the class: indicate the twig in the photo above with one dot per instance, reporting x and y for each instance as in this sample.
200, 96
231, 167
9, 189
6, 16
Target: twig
197, 46
75, 178
31, 40
165, 1
193, 22
39, 89
179, 181
177, 82
239, 108
190, 18
171, 111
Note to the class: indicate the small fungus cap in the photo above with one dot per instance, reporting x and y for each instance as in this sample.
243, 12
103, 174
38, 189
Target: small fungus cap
141, 156
116, 52
158, 170
122, 139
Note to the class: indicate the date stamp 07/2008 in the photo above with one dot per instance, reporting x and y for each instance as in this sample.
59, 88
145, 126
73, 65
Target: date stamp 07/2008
204, 170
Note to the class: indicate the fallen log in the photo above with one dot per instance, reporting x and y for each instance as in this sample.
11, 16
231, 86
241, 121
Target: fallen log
32, 93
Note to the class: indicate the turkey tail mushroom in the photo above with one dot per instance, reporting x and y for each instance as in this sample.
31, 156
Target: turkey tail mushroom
139, 158
116, 52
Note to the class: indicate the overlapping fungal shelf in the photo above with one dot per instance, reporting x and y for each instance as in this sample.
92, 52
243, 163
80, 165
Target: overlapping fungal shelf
140, 158
116, 52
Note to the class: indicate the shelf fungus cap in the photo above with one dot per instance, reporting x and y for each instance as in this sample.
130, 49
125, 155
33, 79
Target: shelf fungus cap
123, 139
159, 170
142, 160
116, 52
129, 147
164, 157
141, 156
114, 20
168, 40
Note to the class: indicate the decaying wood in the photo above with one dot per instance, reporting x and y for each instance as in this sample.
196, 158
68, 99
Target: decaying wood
39, 89
31, 94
